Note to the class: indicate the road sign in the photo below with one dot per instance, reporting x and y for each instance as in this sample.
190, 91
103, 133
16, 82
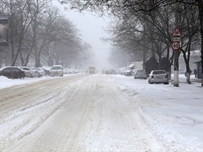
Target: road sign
176, 32
176, 39
175, 45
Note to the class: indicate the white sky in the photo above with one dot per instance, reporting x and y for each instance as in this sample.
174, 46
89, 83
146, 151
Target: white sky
92, 30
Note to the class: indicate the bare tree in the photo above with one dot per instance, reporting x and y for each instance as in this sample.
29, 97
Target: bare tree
148, 6
20, 23
59, 40
189, 25
200, 9
36, 8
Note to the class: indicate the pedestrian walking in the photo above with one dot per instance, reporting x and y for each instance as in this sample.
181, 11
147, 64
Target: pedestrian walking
195, 72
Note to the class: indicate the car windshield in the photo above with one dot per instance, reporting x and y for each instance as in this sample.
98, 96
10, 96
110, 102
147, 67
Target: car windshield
56, 68
141, 72
25, 68
159, 72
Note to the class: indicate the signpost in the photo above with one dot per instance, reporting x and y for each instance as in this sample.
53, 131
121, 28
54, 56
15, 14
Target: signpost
176, 37
176, 32
175, 45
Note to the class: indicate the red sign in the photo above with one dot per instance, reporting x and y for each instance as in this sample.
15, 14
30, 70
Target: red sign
176, 32
175, 45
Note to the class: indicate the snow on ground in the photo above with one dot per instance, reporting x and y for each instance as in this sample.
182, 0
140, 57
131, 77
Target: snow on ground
5, 82
177, 110
172, 113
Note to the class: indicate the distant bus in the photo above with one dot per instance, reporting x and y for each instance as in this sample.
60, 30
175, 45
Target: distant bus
92, 70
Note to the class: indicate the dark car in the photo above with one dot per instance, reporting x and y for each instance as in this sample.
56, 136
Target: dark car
12, 72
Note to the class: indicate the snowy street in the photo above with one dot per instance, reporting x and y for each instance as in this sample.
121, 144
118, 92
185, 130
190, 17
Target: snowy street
101, 113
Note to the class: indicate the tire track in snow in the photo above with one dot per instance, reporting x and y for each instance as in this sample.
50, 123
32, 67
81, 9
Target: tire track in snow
25, 120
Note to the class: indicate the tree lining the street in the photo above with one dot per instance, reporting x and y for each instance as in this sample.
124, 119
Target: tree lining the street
34, 27
151, 8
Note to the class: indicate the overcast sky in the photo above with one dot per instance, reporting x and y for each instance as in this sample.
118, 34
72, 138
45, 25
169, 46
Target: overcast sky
92, 30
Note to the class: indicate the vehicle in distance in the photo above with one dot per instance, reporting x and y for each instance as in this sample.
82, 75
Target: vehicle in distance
158, 76
92, 70
12, 72
110, 72
56, 70
140, 74
128, 72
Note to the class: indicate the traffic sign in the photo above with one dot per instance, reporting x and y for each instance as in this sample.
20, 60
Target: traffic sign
176, 32
176, 39
175, 45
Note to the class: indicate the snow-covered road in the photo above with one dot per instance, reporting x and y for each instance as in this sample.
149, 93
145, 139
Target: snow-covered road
85, 113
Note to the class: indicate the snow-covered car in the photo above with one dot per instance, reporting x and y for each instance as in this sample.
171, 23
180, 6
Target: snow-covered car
12, 72
110, 72
41, 71
128, 72
66, 71
140, 74
46, 70
133, 71
158, 76
56, 70
38, 71
29, 72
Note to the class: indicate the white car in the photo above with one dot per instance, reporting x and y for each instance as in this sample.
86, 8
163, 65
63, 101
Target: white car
140, 74
29, 72
158, 76
56, 70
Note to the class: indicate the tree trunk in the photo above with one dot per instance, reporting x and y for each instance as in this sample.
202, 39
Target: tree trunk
15, 58
144, 50
200, 4
35, 42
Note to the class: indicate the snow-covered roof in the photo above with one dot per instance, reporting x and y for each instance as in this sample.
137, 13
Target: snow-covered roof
131, 65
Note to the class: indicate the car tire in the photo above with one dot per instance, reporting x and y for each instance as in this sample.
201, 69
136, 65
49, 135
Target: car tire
149, 82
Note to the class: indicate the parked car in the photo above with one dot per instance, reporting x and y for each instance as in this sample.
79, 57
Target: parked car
158, 76
29, 72
66, 71
56, 70
41, 71
128, 72
12, 72
140, 74
46, 70
133, 71
110, 72
38, 72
